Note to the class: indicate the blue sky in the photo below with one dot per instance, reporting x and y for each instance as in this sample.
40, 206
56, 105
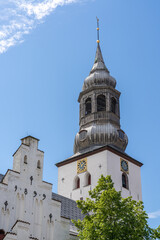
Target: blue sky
47, 48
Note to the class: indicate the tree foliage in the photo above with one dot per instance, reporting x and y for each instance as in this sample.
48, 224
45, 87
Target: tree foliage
109, 216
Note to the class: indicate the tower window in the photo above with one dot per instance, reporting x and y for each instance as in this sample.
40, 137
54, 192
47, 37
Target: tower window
87, 180
88, 106
101, 103
76, 183
25, 159
125, 181
2, 234
39, 164
113, 105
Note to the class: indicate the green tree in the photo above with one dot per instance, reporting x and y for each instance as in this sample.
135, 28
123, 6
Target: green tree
109, 216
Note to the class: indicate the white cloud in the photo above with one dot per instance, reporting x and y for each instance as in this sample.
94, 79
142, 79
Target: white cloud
154, 214
19, 17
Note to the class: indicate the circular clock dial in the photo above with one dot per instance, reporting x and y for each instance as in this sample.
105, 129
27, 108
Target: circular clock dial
124, 165
82, 165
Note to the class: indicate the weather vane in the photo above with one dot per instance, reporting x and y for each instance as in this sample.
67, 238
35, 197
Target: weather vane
98, 41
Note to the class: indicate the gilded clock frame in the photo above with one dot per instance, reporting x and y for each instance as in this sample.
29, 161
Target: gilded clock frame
85, 168
122, 159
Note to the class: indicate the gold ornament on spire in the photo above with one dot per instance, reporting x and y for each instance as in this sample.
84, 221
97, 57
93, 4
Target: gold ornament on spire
98, 41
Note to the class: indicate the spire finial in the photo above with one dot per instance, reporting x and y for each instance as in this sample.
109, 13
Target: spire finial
98, 41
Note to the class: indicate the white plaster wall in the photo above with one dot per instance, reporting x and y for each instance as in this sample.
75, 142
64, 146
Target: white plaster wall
35, 205
134, 176
106, 163
68, 172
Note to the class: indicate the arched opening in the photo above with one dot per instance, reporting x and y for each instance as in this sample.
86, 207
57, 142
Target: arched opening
87, 179
25, 159
101, 103
76, 183
125, 181
88, 106
39, 164
113, 105
2, 234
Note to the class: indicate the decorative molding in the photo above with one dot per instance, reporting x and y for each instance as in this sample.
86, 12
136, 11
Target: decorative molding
101, 149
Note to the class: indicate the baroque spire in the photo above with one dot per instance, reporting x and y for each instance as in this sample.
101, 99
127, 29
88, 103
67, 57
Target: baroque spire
98, 62
99, 74
99, 109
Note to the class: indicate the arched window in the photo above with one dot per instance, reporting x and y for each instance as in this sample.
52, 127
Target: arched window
113, 105
2, 234
101, 103
88, 106
25, 159
76, 183
87, 179
39, 164
125, 181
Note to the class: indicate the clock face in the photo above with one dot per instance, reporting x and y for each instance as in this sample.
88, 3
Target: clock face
82, 165
124, 166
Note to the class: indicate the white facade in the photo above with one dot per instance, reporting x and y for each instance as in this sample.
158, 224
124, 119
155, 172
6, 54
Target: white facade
103, 162
27, 208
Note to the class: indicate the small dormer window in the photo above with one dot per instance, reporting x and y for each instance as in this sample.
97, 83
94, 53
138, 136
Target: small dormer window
88, 106
25, 159
101, 103
39, 164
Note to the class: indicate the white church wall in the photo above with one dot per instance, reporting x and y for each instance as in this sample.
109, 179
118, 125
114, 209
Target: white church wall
106, 163
26, 198
134, 176
68, 172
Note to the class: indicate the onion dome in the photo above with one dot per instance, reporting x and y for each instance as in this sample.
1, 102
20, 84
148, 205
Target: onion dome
97, 136
99, 75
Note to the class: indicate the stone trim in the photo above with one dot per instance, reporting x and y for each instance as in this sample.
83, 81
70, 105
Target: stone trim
47, 182
9, 170
12, 233
25, 145
33, 238
65, 218
19, 148
73, 234
107, 147
30, 137
95, 88
19, 221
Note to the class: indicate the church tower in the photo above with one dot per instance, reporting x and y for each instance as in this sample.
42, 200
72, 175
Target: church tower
99, 110
99, 146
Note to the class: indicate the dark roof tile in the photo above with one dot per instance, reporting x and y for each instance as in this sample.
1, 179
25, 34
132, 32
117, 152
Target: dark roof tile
1, 177
69, 207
